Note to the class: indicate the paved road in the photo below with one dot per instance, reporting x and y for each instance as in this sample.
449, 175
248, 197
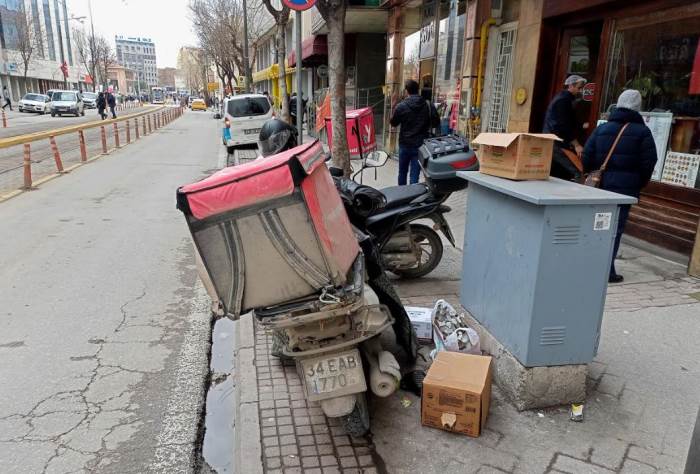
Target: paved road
22, 123
104, 330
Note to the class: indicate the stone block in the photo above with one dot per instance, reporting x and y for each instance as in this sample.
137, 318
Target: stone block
531, 387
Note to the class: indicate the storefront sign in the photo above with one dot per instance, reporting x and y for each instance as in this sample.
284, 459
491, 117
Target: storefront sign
212, 86
588, 92
681, 169
427, 30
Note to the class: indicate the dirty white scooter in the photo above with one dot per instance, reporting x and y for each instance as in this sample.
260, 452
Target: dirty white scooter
275, 240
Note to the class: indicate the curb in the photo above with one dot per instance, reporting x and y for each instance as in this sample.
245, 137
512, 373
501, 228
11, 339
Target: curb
247, 445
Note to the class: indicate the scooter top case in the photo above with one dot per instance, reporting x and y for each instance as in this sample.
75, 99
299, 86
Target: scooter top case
442, 157
270, 231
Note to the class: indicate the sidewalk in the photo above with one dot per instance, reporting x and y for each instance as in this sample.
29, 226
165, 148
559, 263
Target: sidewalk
643, 392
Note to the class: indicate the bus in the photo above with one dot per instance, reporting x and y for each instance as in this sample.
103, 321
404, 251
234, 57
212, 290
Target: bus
157, 95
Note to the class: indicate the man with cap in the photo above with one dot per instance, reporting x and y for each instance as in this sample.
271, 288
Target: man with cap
560, 120
631, 162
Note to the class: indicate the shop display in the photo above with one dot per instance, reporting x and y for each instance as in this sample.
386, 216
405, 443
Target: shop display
681, 169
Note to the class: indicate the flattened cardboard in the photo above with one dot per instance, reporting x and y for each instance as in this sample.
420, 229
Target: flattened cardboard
457, 393
520, 156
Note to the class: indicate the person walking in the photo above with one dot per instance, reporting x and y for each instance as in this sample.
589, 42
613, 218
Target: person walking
6, 96
624, 149
416, 116
560, 119
112, 102
101, 105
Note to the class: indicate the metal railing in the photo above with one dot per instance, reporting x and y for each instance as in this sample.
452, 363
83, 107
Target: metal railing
31, 159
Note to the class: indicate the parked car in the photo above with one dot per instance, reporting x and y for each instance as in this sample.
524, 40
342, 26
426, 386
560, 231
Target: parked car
244, 116
198, 104
67, 102
50, 92
90, 100
33, 102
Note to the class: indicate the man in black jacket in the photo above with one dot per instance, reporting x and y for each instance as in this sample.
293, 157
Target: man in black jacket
415, 116
560, 120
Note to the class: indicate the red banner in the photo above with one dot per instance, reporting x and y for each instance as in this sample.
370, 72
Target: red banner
694, 87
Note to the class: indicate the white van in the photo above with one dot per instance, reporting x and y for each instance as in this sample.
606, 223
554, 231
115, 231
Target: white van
244, 116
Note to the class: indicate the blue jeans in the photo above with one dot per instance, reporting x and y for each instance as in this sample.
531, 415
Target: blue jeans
408, 156
621, 221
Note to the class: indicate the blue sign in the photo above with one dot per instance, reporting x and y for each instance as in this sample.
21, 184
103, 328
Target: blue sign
299, 5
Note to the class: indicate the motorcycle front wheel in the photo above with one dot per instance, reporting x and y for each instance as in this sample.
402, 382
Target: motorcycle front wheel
356, 424
431, 249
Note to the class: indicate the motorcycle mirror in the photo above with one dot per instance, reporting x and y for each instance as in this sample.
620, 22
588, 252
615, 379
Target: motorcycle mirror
376, 159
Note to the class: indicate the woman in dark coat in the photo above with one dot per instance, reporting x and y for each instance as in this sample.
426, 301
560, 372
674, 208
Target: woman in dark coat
632, 162
101, 105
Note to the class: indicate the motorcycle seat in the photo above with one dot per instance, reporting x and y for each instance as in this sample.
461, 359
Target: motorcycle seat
399, 195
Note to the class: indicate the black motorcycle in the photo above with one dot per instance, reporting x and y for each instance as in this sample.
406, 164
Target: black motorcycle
409, 249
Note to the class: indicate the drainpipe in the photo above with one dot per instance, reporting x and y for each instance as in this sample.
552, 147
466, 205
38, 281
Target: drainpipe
483, 43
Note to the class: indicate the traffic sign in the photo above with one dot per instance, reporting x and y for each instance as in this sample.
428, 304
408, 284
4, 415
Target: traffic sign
588, 92
299, 5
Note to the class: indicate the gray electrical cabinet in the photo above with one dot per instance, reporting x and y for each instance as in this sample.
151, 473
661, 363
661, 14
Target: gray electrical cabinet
536, 263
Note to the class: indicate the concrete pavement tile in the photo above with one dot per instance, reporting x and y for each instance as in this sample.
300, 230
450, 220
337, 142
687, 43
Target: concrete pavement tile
288, 439
272, 451
309, 451
320, 429
365, 461
314, 470
331, 470
282, 403
285, 430
271, 441
329, 461
310, 461
303, 430
290, 449
325, 449
348, 461
291, 460
611, 385
634, 467
609, 452
341, 440
323, 438
568, 464
305, 440
284, 420
345, 451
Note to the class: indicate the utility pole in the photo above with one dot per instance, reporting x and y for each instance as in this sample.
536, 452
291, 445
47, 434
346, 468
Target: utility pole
60, 45
246, 64
92, 44
300, 112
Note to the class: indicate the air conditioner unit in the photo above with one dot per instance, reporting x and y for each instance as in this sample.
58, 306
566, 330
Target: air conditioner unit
496, 8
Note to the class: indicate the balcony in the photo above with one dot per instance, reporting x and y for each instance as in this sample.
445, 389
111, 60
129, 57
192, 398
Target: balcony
361, 17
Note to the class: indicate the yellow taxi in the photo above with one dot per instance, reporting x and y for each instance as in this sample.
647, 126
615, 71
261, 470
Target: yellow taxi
198, 104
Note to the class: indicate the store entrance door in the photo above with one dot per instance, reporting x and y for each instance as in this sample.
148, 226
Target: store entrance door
578, 54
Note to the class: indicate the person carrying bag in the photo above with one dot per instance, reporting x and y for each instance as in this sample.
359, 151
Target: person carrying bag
620, 156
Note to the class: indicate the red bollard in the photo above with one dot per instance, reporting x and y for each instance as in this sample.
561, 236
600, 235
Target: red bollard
149, 125
136, 127
83, 148
116, 135
4, 119
27, 166
103, 136
56, 154
128, 132
144, 125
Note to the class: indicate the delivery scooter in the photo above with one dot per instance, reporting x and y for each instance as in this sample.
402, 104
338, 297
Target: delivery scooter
274, 240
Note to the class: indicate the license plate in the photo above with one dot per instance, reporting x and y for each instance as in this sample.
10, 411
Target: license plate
333, 375
251, 131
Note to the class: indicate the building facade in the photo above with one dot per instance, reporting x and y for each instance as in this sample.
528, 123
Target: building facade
138, 54
166, 76
122, 80
48, 24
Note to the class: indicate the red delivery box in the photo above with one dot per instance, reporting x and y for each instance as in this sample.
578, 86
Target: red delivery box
360, 131
271, 230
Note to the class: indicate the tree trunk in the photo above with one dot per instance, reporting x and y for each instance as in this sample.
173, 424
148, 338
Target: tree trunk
281, 38
335, 20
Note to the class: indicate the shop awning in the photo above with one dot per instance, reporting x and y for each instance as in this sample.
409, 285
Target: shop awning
314, 51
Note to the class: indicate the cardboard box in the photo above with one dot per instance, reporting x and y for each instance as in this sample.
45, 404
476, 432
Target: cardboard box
457, 393
515, 155
422, 321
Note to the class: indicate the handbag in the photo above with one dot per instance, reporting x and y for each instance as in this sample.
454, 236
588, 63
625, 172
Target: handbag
594, 178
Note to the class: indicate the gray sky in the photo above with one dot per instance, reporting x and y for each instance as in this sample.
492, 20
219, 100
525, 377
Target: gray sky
166, 22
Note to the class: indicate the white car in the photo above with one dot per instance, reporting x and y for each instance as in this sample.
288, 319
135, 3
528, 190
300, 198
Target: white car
67, 102
244, 116
32, 102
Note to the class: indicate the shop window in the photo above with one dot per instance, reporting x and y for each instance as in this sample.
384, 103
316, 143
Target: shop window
662, 61
450, 47
497, 91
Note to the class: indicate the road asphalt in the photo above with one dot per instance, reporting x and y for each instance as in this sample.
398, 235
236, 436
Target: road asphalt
104, 328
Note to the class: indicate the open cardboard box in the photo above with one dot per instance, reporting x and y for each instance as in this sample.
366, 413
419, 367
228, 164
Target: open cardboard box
515, 155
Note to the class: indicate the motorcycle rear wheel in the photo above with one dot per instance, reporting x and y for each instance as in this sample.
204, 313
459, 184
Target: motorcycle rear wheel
356, 424
431, 245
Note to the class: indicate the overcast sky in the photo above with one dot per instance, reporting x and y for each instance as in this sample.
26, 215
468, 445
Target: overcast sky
166, 22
